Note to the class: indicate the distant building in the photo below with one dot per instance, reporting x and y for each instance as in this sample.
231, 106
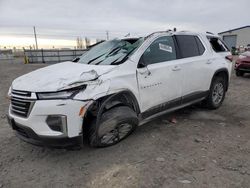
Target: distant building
237, 37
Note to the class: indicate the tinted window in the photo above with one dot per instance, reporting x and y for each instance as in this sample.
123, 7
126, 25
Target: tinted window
187, 45
217, 44
201, 48
161, 50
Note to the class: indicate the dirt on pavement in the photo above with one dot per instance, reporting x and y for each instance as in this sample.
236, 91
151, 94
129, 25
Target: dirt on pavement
202, 149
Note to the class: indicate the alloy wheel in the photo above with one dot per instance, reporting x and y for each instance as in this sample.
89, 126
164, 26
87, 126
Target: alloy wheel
218, 93
116, 134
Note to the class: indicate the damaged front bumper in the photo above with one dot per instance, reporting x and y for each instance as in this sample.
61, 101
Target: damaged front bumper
28, 135
51, 122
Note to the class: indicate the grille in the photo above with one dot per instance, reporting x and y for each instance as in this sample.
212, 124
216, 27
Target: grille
21, 106
21, 93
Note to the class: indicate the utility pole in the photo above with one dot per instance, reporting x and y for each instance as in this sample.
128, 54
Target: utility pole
35, 36
107, 33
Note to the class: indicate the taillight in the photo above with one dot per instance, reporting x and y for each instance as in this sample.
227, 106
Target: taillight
230, 58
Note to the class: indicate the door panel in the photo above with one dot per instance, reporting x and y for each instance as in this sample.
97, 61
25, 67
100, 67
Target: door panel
160, 77
161, 85
196, 65
197, 72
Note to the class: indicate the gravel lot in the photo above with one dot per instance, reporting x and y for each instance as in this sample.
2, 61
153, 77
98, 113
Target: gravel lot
203, 149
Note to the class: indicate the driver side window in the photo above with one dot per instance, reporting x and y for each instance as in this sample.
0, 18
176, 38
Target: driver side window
161, 50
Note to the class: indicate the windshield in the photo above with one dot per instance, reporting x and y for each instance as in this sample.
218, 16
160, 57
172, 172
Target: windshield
111, 52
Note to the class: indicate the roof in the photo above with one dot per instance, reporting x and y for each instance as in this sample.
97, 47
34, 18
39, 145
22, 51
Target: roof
235, 29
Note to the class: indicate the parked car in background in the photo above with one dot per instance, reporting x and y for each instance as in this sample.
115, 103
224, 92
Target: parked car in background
118, 85
242, 64
248, 47
241, 49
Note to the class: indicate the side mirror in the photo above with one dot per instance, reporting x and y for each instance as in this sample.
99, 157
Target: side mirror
141, 63
76, 59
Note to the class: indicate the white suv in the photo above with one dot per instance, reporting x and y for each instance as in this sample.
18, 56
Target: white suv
116, 86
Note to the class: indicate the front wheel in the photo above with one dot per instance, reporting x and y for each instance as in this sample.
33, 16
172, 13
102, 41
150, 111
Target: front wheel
217, 93
115, 125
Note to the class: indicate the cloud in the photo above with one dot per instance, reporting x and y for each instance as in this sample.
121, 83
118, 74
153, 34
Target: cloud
93, 17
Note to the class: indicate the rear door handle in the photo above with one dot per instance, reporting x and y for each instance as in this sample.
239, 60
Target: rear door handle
176, 68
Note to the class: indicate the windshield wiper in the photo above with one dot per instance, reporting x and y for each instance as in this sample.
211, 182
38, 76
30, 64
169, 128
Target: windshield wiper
115, 49
90, 61
123, 59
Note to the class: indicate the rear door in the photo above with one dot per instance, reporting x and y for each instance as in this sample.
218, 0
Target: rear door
196, 66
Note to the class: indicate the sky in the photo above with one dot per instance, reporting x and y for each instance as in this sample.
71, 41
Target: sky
59, 22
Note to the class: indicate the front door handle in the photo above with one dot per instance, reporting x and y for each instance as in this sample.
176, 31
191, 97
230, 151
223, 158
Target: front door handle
144, 71
176, 68
209, 61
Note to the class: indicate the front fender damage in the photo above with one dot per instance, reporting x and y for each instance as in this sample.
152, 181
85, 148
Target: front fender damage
85, 77
94, 90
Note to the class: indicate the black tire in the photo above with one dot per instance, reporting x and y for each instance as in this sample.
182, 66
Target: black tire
108, 132
239, 73
218, 83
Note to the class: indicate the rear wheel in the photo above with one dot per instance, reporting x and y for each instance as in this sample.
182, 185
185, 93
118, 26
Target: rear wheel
115, 125
217, 93
239, 73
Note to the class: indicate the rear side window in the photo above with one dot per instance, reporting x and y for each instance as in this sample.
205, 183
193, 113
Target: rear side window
200, 45
217, 44
188, 46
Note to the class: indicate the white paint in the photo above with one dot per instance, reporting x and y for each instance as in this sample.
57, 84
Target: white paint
163, 84
58, 76
42, 108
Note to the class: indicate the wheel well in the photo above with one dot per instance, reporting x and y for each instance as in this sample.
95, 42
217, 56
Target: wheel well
124, 98
222, 73
103, 104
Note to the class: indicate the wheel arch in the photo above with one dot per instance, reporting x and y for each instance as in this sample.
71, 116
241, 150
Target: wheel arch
125, 98
102, 104
224, 73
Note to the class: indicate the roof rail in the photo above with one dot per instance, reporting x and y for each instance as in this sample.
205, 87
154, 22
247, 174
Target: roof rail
167, 31
210, 33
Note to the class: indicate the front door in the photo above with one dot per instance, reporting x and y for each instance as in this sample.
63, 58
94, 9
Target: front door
159, 76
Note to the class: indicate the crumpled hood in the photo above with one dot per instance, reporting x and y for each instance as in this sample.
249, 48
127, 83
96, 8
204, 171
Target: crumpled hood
59, 76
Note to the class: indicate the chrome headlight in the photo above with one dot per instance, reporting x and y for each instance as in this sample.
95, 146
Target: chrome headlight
64, 94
